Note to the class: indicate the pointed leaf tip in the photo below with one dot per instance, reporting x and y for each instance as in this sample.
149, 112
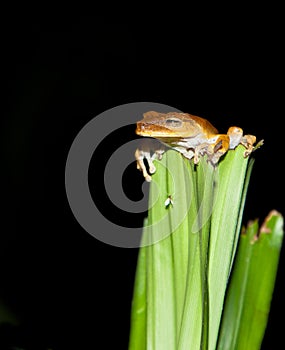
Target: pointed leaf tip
266, 227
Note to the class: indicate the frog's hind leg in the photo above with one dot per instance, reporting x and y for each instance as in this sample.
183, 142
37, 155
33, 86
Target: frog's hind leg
235, 134
218, 148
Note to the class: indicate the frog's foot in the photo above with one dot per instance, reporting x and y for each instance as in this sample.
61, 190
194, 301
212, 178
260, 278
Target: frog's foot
218, 148
248, 141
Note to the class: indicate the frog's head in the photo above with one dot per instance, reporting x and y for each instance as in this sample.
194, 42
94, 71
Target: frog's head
173, 124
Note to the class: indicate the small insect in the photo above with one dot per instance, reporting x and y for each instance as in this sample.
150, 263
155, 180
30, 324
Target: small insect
168, 201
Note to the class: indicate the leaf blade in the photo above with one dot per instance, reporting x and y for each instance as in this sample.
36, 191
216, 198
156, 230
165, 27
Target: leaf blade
258, 255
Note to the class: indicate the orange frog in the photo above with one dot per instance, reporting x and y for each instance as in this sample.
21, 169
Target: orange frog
188, 134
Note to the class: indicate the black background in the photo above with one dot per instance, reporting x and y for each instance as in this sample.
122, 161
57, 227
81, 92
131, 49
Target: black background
63, 285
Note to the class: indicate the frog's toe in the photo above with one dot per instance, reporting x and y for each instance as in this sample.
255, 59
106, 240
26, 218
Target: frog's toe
248, 141
151, 166
196, 158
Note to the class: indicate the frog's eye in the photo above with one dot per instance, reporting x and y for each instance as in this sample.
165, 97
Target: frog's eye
173, 122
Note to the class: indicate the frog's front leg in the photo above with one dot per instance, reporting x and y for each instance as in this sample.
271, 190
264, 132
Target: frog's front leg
148, 150
140, 156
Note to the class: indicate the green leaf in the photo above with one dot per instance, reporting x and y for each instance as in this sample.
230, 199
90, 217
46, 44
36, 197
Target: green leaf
233, 175
167, 252
189, 244
252, 283
137, 339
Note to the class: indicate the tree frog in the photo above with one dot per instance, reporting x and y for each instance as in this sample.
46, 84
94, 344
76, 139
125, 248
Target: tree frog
188, 134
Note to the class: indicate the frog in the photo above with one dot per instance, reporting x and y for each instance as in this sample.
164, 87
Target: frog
191, 135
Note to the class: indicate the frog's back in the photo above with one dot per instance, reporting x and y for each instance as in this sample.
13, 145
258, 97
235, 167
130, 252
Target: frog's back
205, 125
